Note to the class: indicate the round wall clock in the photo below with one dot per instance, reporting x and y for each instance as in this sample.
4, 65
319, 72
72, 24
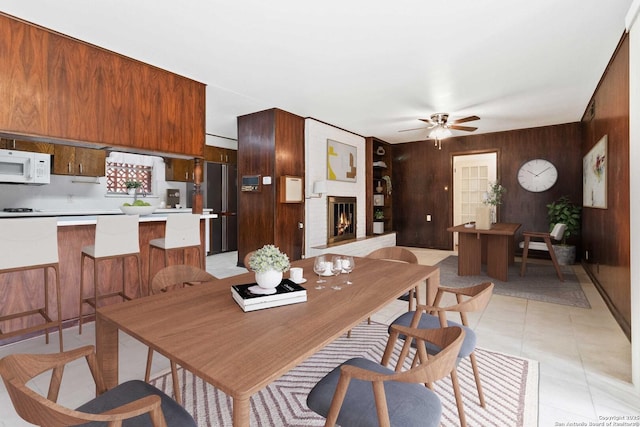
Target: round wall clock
537, 175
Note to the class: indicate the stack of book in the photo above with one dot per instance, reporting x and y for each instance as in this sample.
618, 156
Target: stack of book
287, 292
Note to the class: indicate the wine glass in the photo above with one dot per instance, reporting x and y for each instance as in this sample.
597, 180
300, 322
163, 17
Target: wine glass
347, 266
336, 268
319, 266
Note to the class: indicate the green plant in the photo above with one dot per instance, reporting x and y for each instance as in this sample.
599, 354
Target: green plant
564, 211
268, 258
133, 184
493, 196
378, 214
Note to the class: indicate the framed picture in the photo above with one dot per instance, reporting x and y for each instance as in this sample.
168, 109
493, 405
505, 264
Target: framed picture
341, 161
594, 176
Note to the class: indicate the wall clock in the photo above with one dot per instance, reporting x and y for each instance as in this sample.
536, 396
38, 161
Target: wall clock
537, 175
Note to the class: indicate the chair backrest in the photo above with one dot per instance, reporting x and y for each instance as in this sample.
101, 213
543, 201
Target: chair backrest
394, 253
117, 235
432, 367
182, 230
178, 275
28, 242
558, 231
247, 257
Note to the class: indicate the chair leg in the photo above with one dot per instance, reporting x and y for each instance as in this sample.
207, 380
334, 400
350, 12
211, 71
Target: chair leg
147, 372
46, 302
525, 251
552, 252
456, 392
176, 383
81, 290
476, 374
59, 306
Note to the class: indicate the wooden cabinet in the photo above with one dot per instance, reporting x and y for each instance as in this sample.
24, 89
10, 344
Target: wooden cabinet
78, 161
181, 170
220, 155
58, 88
34, 147
379, 192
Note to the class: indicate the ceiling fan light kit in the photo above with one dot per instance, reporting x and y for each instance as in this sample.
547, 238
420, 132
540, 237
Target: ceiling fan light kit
441, 128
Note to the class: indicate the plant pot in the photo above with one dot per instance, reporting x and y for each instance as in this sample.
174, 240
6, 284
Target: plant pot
269, 280
565, 254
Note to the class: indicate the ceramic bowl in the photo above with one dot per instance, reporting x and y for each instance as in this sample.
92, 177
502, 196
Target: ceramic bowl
138, 210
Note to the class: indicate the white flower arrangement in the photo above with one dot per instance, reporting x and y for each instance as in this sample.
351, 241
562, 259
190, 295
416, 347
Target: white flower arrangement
268, 258
493, 197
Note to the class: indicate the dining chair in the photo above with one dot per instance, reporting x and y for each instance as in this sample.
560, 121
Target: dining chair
361, 392
468, 299
168, 279
32, 244
556, 234
246, 260
396, 253
116, 238
182, 232
134, 403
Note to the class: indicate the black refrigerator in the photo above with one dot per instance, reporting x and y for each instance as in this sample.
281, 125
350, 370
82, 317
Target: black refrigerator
220, 193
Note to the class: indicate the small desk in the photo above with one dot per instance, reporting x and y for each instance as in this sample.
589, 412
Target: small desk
495, 246
202, 328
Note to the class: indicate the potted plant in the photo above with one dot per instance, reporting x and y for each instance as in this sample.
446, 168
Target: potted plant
493, 198
564, 211
132, 186
268, 263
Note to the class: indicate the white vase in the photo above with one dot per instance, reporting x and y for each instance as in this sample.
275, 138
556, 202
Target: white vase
269, 279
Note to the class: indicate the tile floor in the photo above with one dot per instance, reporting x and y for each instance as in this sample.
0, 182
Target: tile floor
585, 362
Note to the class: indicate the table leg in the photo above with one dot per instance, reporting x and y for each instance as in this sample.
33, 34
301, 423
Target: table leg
498, 257
107, 350
469, 254
241, 409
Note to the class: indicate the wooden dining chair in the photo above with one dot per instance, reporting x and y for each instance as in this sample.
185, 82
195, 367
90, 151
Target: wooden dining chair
395, 253
165, 280
132, 403
556, 234
468, 299
380, 396
246, 260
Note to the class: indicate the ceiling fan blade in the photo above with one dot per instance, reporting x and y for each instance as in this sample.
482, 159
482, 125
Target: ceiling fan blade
465, 119
407, 130
465, 128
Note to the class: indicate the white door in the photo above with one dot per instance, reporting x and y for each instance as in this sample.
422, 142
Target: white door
471, 177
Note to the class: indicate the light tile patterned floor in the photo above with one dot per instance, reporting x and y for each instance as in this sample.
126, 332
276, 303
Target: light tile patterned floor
585, 359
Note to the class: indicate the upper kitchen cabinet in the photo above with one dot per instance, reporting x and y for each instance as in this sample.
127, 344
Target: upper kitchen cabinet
220, 155
63, 89
34, 147
181, 170
78, 161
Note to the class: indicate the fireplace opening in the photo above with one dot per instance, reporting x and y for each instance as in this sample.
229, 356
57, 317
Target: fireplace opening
341, 217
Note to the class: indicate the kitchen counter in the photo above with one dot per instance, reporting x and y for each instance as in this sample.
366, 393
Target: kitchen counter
88, 212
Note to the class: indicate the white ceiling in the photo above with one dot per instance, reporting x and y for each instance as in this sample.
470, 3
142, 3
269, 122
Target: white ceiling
373, 67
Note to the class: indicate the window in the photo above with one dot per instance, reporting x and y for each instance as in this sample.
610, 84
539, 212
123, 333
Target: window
123, 167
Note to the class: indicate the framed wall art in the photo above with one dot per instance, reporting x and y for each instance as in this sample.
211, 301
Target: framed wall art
594, 176
341, 161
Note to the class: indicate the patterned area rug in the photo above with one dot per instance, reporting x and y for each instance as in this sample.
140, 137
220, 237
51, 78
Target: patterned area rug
539, 283
510, 386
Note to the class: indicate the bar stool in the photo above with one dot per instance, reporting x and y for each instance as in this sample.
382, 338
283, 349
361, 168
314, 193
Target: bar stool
182, 231
31, 244
116, 238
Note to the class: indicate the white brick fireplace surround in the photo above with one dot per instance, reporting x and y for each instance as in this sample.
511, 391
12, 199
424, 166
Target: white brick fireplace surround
316, 135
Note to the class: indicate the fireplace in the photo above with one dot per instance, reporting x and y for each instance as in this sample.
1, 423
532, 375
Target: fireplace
341, 219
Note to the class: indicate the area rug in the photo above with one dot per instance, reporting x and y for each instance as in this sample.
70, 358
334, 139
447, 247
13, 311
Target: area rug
510, 387
540, 282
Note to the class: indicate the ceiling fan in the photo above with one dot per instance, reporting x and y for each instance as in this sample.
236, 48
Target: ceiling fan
441, 127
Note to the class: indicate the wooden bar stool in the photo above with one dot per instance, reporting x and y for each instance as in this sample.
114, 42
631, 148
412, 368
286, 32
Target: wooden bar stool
31, 244
182, 231
116, 238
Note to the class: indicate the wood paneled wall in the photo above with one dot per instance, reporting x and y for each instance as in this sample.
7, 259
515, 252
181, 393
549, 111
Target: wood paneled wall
605, 232
270, 144
423, 180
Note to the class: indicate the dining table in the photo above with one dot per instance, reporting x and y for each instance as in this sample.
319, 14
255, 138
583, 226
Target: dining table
202, 329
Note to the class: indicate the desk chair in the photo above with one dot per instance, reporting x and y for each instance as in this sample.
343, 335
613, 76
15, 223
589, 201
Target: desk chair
545, 245
379, 396
167, 279
469, 299
132, 403
116, 238
31, 244
182, 232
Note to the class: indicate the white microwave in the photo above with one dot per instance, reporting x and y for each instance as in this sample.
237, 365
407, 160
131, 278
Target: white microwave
23, 167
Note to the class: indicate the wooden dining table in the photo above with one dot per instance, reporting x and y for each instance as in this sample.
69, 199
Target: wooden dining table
203, 329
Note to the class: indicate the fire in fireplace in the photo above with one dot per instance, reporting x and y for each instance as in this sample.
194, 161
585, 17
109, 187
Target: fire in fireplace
341, 218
